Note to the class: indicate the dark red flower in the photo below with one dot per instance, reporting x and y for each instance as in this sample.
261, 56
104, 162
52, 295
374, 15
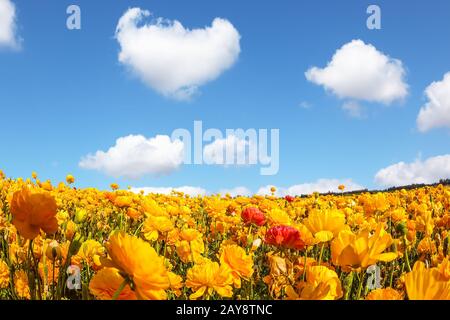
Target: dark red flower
253, 215
289, 198
285, 236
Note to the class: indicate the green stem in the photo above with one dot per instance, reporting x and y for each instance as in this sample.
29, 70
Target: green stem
392, 274
349, 285
361, 280
321, 253
304, 265
120, 289
406, 255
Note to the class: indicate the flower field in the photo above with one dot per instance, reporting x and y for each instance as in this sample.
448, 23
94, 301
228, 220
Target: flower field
61, 242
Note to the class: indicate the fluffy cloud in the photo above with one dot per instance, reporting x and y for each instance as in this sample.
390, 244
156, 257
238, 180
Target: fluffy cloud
359, 71
238, 191
174, 60
429, 171
8, 37
192, 191
228, 151
321, 185
134, 156
436, 112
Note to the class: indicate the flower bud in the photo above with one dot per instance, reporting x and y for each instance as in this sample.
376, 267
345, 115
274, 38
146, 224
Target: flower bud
80, 216
401, 228
75, 244
53, 250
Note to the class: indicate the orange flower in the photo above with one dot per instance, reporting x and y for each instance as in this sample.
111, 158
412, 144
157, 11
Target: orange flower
32, 212
384, 294
4, 275
105, 284
208, 277
321, 284
139, 261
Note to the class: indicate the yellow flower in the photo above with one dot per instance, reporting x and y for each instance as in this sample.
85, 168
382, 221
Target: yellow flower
105, 284
191, 246
384, 294
426, 284
21, 284
70, 179
279, 217
91, 252
326, 224
176, 283
123, 201
321, 284
155, 224
362, 249
307, 236
238, 261
208, 277
140, 262
47, 185
444, 269
71, 228
4, 275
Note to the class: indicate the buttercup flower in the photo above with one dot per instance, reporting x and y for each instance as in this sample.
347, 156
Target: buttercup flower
321, 284
325, 225
32, 212
137, 260
106, 283
208, 277
240, 263
426, 284
384, 294
362, 249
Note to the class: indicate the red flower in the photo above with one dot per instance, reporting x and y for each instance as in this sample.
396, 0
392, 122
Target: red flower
285, 236
253, 215
289, 198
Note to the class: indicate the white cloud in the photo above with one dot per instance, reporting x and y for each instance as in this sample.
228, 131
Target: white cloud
228, 151
192, 191
436, 113
321, 186
174, 60
237, 191
134, 156
354, 109
429, 171
359, 71
8, 37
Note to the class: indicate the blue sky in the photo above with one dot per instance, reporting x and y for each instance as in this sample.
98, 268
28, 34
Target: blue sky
65, 94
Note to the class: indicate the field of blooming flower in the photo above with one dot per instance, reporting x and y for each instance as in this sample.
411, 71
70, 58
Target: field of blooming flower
60, 242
